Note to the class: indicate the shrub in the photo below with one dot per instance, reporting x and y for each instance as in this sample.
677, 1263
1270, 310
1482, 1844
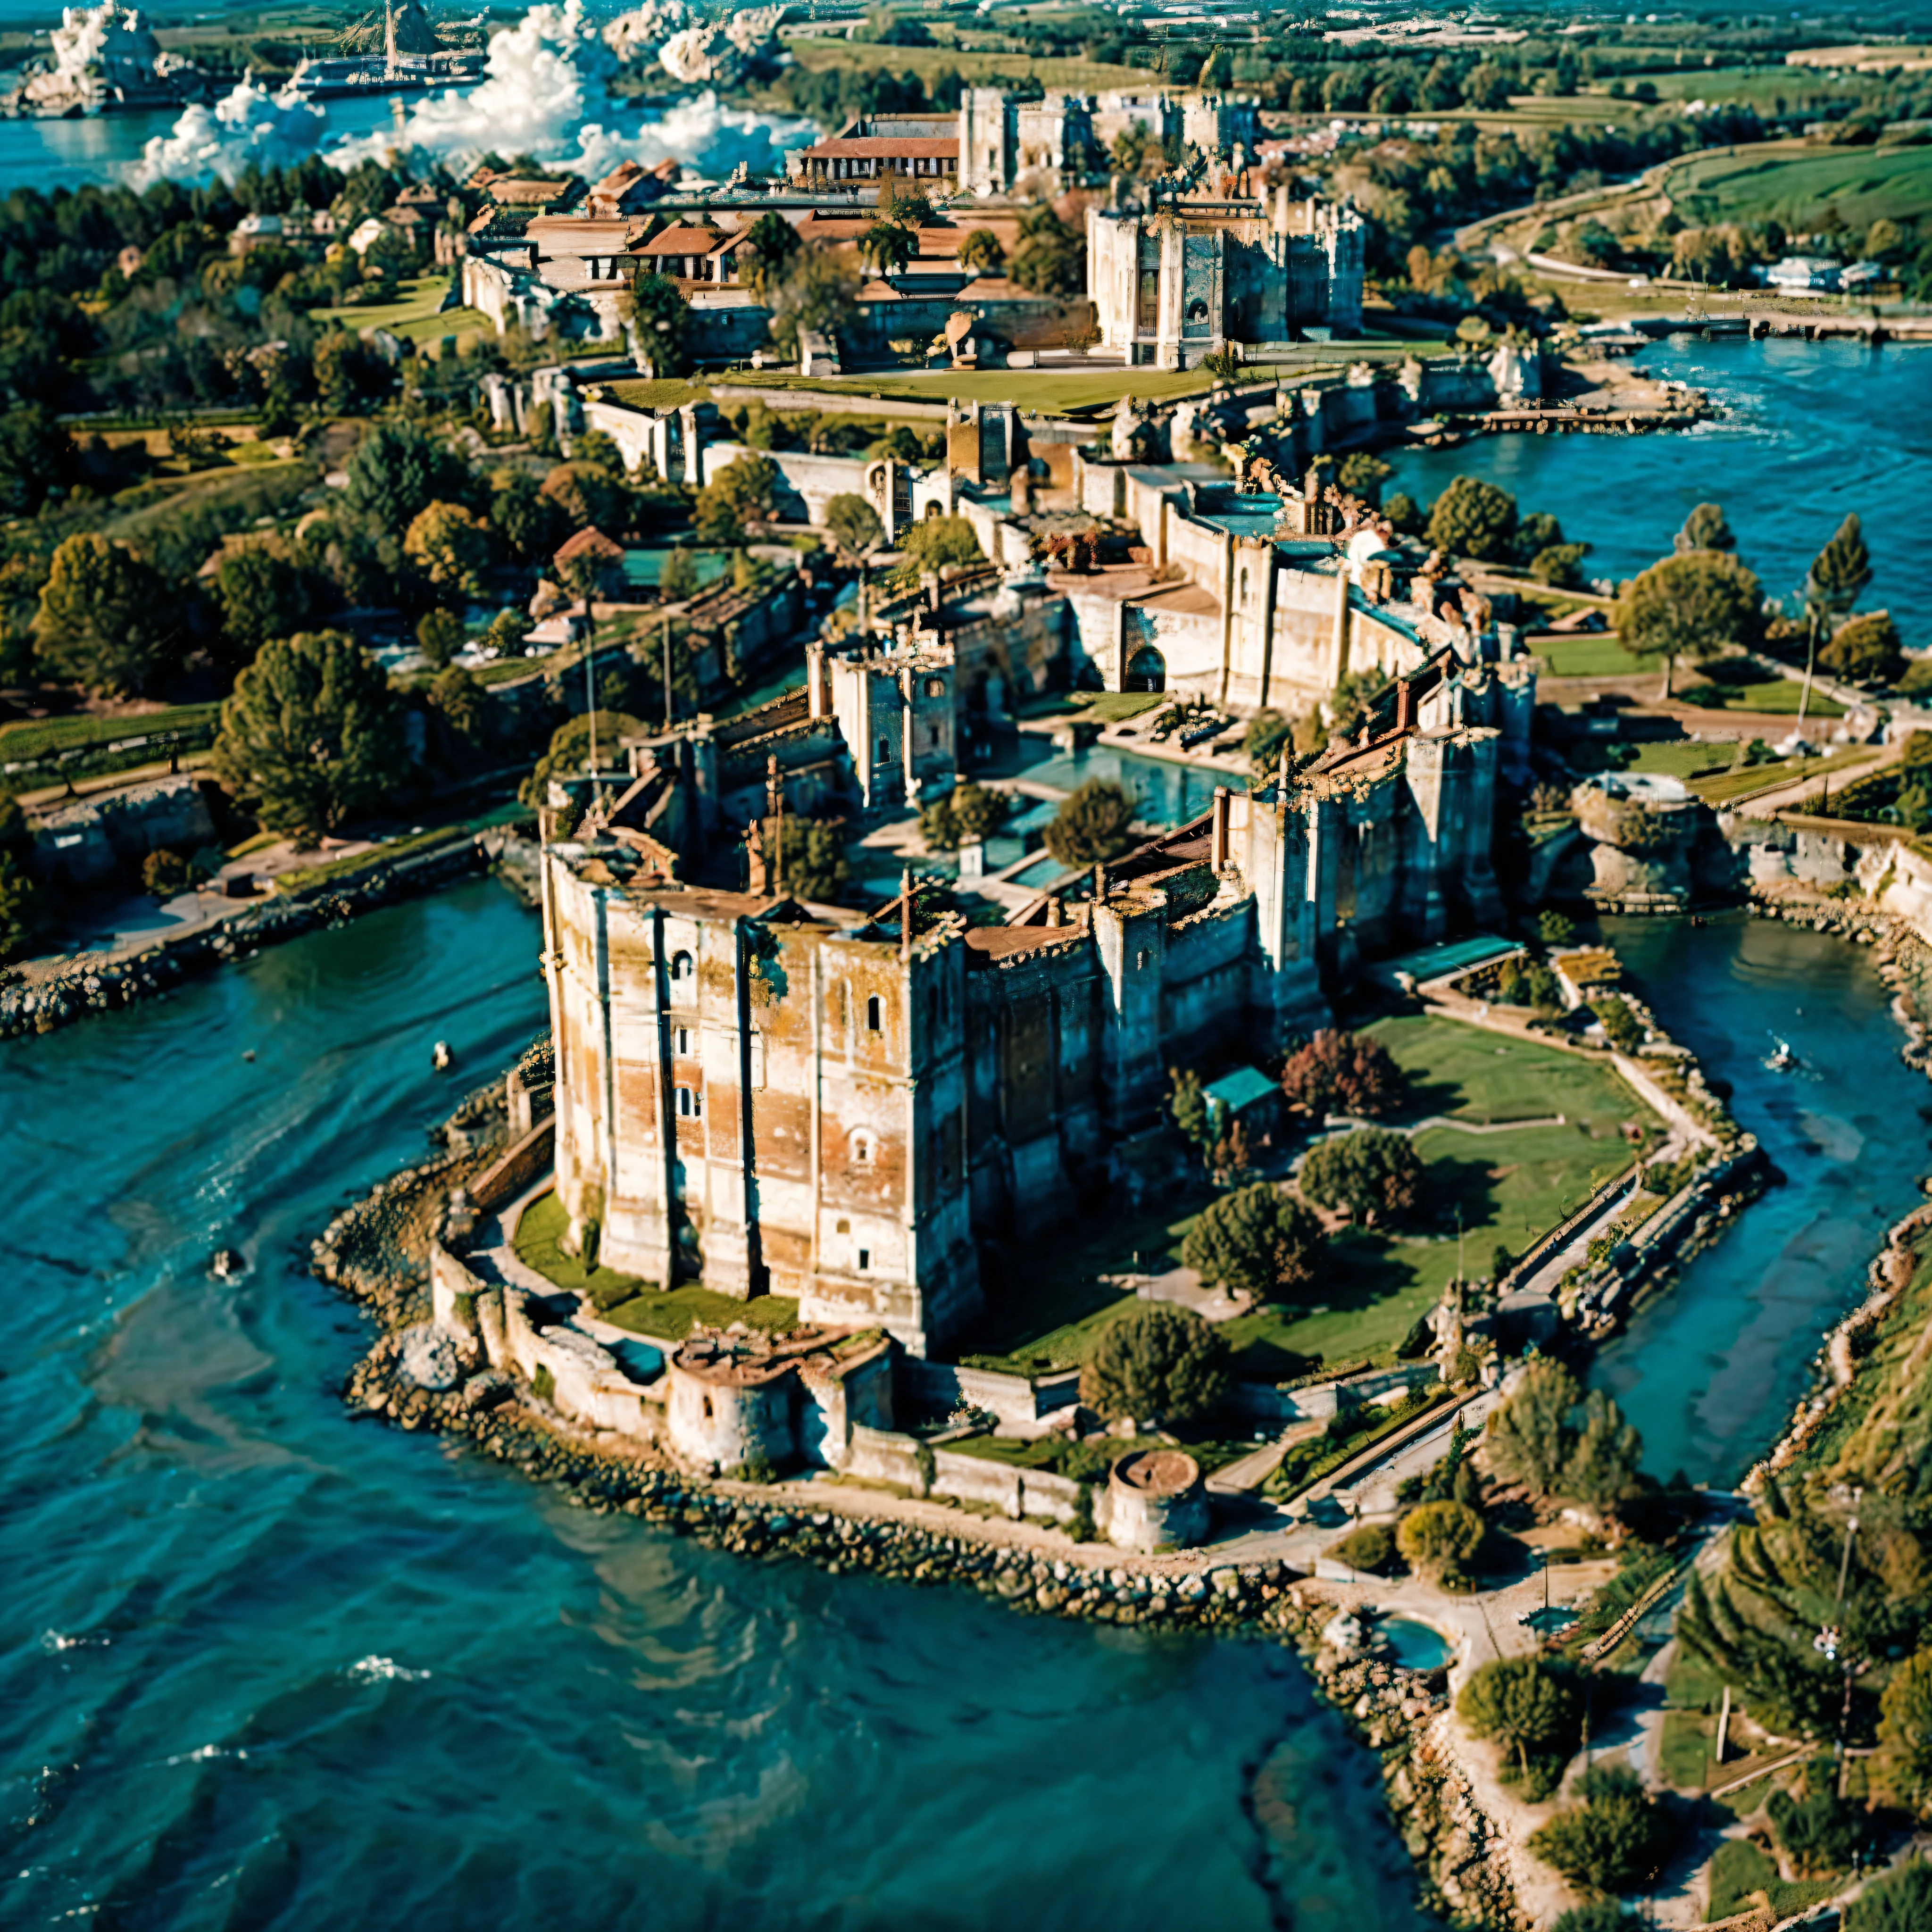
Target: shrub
1614, 1841
1342, 1073
1156, 1361
1622, 1026
1819, 1831
543, 1384
165, 873
1372, 1547
1093, 824
1440, 1538
1901, 1901
1256, 1240
1534, 1710
1080, 1524
1600, 1914
1902, 1771
1369, 1174
1556, 928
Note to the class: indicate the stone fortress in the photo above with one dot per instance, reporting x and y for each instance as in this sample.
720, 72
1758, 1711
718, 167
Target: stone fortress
845, 1104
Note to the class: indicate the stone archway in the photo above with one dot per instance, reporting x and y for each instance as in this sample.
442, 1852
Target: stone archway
1146, 670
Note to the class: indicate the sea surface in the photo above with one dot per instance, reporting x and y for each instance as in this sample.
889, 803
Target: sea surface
263, 1665
1711, 1370
1810, 431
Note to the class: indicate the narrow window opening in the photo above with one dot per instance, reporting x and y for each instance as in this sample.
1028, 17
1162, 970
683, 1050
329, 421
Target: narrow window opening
844, 1227
865, 1259
707, 1408
874, 1015
680, 966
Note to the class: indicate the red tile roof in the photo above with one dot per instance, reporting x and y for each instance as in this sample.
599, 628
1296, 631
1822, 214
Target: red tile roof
862, 147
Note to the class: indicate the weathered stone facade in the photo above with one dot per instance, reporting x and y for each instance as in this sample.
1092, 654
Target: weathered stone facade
794, 1099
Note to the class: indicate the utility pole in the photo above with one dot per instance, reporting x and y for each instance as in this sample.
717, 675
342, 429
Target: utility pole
668, 703
774, 798
1845, 1705
590, 690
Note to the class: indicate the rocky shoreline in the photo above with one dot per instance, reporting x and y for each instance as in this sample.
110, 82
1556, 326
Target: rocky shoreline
97, 983
374, 1251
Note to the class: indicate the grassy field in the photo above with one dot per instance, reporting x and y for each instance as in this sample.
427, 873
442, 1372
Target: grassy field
1507, 1187
1682, 758
1728, 787
670, 392
47, 737
1029, 388
817, 56
1794, 178
1592, 656
629, 1303
417, 316
1742, 1867
1769, 696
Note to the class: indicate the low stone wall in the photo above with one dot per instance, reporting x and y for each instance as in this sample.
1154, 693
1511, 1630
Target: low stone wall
585, 1381
884, 1455
942, 1387
521, 1166
1320, 1402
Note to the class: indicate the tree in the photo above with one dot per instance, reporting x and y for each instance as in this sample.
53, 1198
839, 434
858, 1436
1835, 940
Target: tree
439, 635
1818, 1831
461, 709
1556, 565
854, 523
770, 243
981, 253
1622, 1026
1614, 1841
655, 307
1093, 824
19, 907
1836, 579
1901, 1772
529, 524
1342, 1073
816, 292
1531, 1709
1697, 603
588, 497
312, 734
1866, 651
165, 872
1901, 1901
394, 472
1268, 734
106, 618
886, 247
1600, 1914
1705, 529
1156, 1362
1369, 1174
1473, 518
1527, 1438
262, 594
1187, 1106
1050, 258
815, 862
941, 543
1362, 474
1372, 1547
744, 491
967, 815
678, 580
450, 545
37, 458
1440, 1538
1257, 1241
1606, 1453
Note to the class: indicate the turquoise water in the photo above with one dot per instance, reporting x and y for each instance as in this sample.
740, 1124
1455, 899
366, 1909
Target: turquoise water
262, 1665
1169, 793
1414, 1646
1812, 430
1711, 1371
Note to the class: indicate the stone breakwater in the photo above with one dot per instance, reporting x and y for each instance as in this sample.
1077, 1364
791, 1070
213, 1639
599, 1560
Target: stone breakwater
98, 983
414, 1376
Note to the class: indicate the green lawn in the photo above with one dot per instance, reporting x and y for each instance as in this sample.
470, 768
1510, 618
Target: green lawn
1682, 758
1508, 1186
669, 392
1593, 656
1790, 179
973, 65
629, 1303
47, 737
1029, 388
1727, 788
1769, 697
1742, 1867
416, 301
1116, 707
